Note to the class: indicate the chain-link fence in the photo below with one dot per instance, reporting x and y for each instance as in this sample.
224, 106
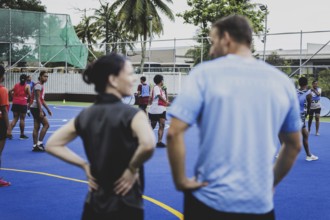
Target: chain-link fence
295, 53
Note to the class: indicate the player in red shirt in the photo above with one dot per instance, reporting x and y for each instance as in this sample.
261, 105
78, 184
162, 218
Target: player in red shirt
4, 121
20, 93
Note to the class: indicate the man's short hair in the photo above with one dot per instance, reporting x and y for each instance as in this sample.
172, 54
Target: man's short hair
158, 79
315, 81
237, 27
303, 81
143, 78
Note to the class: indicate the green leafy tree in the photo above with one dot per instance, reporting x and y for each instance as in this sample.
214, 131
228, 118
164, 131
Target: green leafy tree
283, 64
26, 5
110, 30
203, 13
323, 78
134, 16
86, 31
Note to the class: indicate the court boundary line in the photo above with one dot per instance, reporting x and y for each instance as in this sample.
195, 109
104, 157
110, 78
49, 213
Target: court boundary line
156, 202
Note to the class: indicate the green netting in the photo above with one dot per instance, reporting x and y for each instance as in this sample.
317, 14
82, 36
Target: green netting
39, 37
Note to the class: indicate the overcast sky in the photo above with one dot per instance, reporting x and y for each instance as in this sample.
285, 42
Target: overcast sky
284, 16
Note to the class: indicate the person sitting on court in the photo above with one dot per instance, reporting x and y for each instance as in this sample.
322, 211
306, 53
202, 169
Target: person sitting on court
117, 139
20, 93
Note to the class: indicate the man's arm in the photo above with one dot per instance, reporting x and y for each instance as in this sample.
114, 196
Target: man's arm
176, 154
291, 145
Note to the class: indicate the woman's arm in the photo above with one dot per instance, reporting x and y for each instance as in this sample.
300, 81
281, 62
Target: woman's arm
56, 146
146, 138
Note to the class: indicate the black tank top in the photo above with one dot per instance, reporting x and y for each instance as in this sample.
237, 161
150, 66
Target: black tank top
105, 129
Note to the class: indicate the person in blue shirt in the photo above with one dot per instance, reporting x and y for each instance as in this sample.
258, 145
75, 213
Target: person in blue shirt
241, 105
305, 100
143, 94
30, 82
315, 107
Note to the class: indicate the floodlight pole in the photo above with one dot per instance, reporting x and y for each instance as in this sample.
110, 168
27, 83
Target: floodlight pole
264, 8
150, 38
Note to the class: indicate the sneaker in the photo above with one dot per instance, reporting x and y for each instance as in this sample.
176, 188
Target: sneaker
160, 144
10, 136
38, 148
317, 134
4, 183
23, 137
312, 157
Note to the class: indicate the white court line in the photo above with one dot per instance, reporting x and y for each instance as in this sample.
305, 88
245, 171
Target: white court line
49, 119
69, 109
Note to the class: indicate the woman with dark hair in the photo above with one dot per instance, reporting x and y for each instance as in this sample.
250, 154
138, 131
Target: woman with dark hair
117, 140
20, 93
37, 101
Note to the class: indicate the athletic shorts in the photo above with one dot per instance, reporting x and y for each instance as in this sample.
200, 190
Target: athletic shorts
143, 106
315, 111
19, 108
157, 117
36, 114
3, 129
194, 209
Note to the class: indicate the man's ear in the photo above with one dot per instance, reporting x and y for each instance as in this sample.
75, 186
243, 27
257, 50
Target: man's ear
112, 80
226, 37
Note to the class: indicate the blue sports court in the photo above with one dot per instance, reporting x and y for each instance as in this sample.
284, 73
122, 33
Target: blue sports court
44, 187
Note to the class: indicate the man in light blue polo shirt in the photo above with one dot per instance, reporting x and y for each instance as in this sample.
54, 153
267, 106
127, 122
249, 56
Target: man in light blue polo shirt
241, 105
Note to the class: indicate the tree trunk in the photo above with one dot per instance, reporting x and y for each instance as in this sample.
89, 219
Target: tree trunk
143, 53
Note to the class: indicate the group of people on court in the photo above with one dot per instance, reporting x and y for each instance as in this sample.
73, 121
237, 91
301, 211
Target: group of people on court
234, 174
27, 98
157, 97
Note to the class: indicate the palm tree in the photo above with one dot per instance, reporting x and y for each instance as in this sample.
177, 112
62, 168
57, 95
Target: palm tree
134, 15
110, 29
86, 30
